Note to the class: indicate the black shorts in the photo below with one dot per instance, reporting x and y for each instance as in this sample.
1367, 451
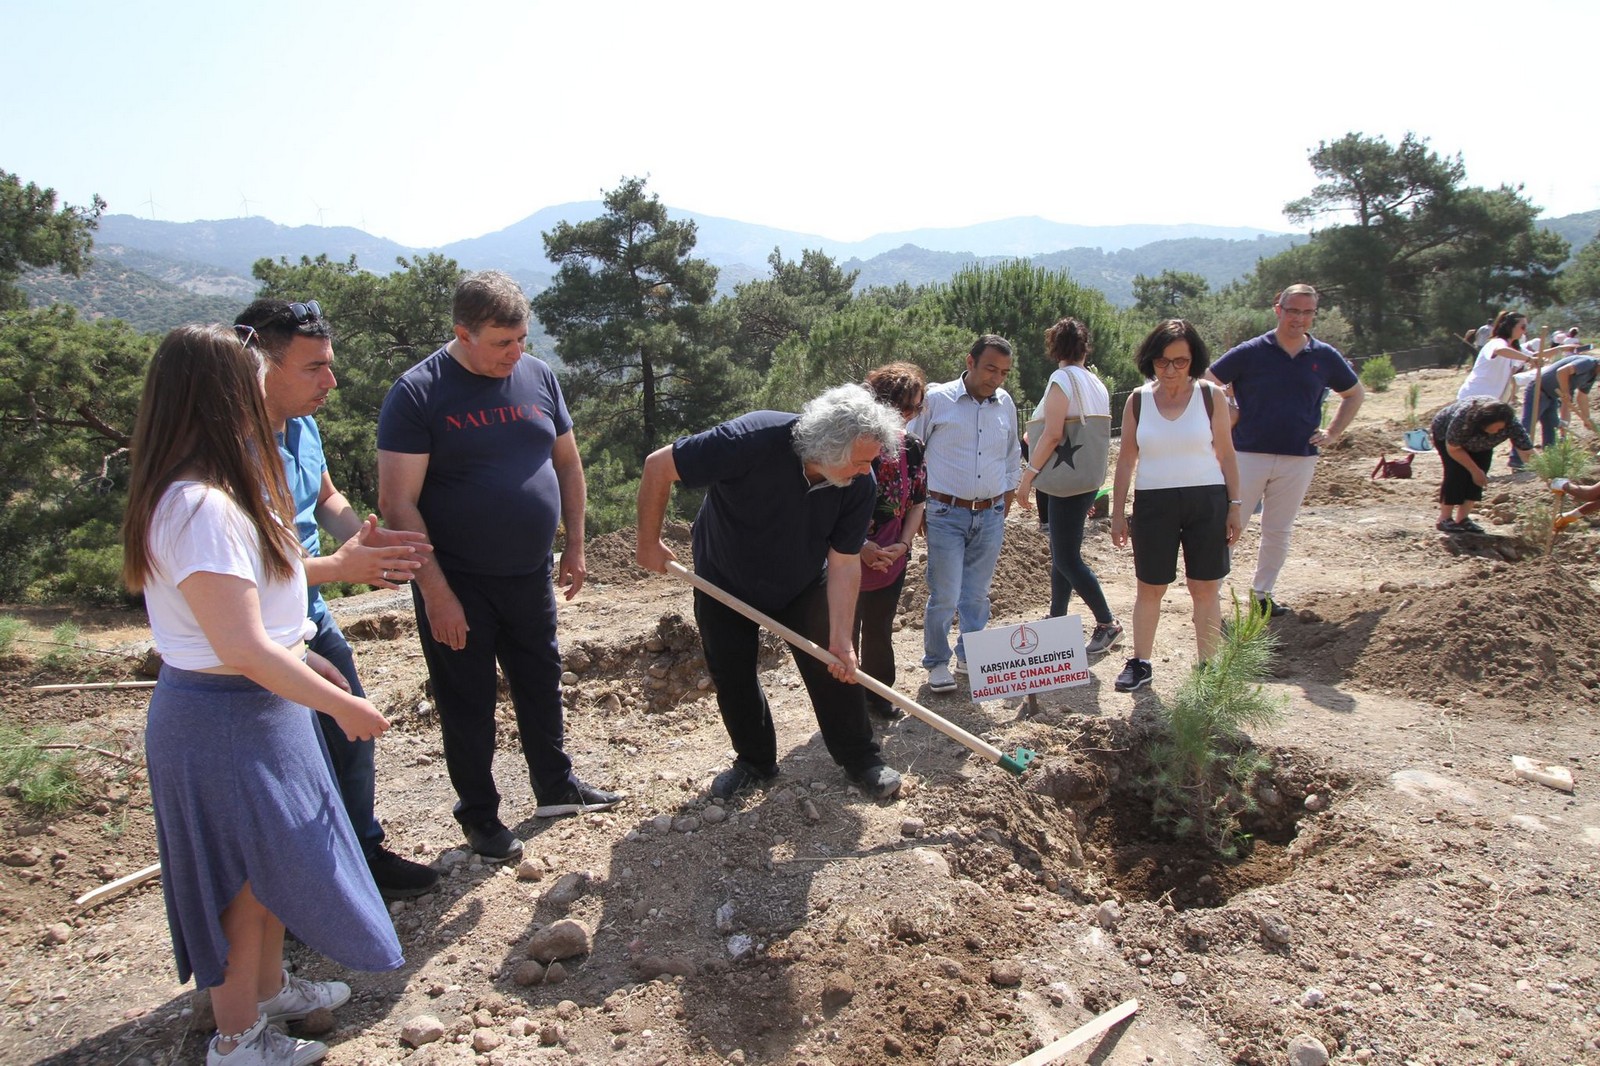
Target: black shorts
1195, 518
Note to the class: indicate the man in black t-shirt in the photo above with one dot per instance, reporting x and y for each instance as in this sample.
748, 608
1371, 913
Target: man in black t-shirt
788, 500
475, 448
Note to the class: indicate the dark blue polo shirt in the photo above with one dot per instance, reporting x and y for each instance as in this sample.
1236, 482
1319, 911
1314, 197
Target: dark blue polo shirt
1279, 395
763, 532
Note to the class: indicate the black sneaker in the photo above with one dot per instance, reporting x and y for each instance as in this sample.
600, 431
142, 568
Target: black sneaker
1106, 635
1135, 674
738, 777
1266, 605
493, 840
879, 781
1467, 525
882, 709
399, 878
576, 798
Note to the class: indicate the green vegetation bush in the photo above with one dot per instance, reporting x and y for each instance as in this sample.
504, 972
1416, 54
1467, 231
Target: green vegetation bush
1204, 768
1377, 373
47, 781
1567, 458
10, 630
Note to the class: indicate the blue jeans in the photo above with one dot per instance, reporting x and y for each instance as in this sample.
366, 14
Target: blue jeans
1549, 419
351, 761
963, 547
1068, 571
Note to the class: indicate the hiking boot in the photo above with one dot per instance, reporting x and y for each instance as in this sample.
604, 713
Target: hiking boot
939, 679
262, 1045
958, 666
879, 781
1265, 604
1106, 635
299, 997
493, 840
399, 878
1135, 674
739, 777
575, 797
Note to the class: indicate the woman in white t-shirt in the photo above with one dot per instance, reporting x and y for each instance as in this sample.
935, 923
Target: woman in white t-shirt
1177, 433
251, 830
1072, 392
1497, 360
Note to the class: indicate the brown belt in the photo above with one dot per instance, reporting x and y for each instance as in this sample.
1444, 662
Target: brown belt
969, 505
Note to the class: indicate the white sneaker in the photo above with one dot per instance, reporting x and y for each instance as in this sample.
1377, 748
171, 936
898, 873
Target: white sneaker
262, 1045
298, 998
958, 666
939, 679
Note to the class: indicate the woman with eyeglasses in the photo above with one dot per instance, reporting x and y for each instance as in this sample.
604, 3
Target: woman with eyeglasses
1073, 392
896, 518
251, 830
1176, 434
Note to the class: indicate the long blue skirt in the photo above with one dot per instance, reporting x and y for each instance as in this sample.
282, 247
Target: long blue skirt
242, 792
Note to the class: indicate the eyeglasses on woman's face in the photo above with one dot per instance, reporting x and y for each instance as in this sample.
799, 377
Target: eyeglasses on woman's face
1172, 364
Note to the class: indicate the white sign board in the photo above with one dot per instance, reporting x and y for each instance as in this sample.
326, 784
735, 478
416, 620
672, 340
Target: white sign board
1027, 658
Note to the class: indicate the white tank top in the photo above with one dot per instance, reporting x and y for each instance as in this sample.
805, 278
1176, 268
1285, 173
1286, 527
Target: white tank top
1176, 454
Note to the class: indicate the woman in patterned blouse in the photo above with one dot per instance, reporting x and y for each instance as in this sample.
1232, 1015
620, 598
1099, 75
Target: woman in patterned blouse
1465, 434
896, 517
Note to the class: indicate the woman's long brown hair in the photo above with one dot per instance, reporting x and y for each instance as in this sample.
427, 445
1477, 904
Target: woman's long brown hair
203, 416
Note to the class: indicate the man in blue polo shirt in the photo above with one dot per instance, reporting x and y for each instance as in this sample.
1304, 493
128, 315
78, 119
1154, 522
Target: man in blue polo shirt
788, 500
299, 346
1277, 380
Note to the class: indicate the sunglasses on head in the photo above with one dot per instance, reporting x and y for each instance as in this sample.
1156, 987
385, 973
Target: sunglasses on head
248, 336
303, 313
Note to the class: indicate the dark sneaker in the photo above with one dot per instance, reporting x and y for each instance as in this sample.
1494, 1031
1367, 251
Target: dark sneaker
882, 709
1135, 674
576, 798
1106, 635
1467, 525
879, 782
493, 840
1447, 525
739, 777
399, 878
1266, 605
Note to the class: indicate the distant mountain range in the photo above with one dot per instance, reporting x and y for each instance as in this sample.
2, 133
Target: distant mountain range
156, 274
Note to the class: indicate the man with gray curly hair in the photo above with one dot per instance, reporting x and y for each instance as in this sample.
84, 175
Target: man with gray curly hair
788, 500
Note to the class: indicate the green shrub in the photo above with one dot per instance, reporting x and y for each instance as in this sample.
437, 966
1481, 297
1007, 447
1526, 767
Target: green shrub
1413, 397
1566, 458
47, 781
1377, 373
10, 630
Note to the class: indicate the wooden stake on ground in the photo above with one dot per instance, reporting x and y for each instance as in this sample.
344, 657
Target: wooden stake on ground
96, 896
1081, 1035
92, 685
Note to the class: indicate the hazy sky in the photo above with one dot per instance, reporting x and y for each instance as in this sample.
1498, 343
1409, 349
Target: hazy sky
427, 123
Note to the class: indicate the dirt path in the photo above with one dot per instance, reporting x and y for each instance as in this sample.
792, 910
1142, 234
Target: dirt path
1407, 899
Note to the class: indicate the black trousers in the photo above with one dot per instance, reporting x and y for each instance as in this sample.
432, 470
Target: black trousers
732, 644
875, 612
512, 622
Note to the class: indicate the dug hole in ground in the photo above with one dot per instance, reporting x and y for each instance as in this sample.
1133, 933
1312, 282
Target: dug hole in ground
1403, 896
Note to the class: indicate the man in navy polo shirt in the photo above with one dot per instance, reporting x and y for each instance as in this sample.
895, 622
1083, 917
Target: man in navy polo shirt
1277, 381
476, 449
788, 500
298, 343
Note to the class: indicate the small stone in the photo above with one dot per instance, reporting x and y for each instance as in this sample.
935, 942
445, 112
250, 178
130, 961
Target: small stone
1273, 927
1315, 802
530, 870
569, 678
714, 815
725, 918
1178, 979
551, 1034
555, 974
568, 889
23, 857
1269, 796
567, 1010
893, 1045
560, 940
59, 933
1108, 915
661, 823
423, 1029
687, 824
527, 973
739, 946
912, 827
810, 811
485, 1040
1005, 973
1307, 1050
1313, 997
318, 1022
837, 990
